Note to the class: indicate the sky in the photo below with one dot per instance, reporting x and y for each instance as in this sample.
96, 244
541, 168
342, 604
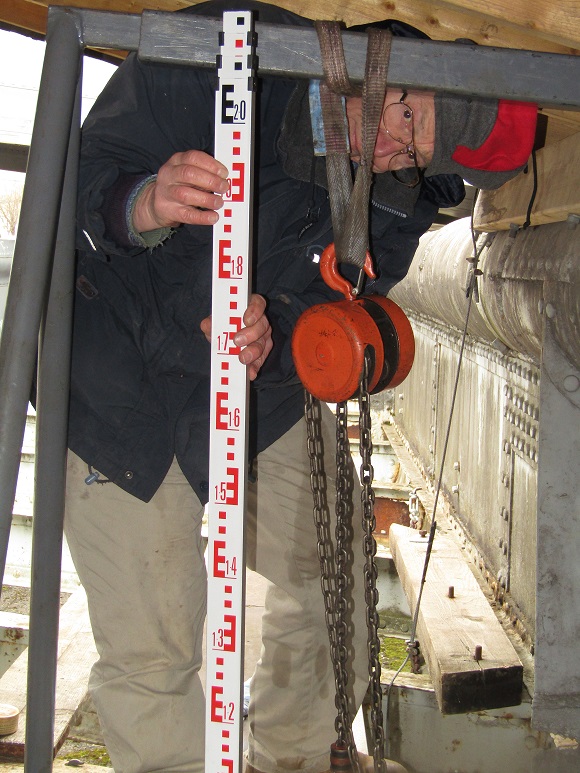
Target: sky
21, 60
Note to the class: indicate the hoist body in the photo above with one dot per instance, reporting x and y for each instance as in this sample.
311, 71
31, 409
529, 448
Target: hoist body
330, 341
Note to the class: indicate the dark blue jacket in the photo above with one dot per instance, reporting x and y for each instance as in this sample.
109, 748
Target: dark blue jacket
140, 380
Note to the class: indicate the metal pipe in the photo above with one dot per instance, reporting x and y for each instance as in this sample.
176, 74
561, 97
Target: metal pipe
33, 252
50, 477
525, 276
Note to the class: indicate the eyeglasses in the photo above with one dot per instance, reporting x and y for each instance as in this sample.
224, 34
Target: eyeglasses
397, 122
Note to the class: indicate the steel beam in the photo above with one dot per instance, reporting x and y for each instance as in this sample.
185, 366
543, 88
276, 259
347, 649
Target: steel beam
13, 158
545, 78
458, 68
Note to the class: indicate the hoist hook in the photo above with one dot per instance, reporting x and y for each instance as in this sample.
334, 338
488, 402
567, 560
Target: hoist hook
329, 272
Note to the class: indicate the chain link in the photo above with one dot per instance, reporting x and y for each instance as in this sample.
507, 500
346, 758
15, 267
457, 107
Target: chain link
344, 557
333, 567
370, 570
330, 579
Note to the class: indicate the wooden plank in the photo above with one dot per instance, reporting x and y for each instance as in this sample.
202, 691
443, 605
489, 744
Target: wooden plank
450, 630
24, 15
558, 192
561, 124
76, 655
448, 21
558, 20
552, 27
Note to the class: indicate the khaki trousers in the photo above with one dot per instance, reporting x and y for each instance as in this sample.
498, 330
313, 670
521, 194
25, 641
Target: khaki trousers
142, 565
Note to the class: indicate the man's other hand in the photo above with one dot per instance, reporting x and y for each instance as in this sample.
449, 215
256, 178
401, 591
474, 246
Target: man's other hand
255, 337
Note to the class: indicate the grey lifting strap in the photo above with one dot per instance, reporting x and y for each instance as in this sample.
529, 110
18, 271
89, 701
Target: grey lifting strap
350, 204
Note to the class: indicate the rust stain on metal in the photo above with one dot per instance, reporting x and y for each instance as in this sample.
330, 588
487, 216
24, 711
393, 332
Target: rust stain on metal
14, 634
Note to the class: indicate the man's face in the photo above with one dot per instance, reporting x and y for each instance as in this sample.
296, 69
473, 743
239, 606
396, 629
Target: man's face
406, 127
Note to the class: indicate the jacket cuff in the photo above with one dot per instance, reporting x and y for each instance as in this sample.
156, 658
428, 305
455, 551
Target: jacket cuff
117, 213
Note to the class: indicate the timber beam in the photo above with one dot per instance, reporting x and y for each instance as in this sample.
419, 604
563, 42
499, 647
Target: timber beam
472, 663
557, 198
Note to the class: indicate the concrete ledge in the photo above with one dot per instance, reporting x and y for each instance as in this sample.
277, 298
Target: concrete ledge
76, 655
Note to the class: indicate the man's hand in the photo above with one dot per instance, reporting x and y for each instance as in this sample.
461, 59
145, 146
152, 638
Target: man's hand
255, 337
188, 189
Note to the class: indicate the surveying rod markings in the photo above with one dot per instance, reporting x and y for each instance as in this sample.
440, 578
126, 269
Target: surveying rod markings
228, 400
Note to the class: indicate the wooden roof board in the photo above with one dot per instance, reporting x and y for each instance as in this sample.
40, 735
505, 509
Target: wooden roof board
529, 24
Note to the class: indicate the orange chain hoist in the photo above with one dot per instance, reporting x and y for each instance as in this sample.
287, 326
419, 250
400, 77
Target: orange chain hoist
330, 339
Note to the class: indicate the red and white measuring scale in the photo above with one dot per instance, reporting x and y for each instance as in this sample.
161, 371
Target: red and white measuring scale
229, 399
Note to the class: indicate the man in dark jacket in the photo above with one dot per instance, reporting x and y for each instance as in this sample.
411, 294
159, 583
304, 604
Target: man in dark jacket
149, 188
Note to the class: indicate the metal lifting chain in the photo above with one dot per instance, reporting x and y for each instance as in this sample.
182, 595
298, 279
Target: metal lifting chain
334, 583
343, 533
370, 571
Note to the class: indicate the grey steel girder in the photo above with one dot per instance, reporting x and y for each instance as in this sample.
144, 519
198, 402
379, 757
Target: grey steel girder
545, 78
